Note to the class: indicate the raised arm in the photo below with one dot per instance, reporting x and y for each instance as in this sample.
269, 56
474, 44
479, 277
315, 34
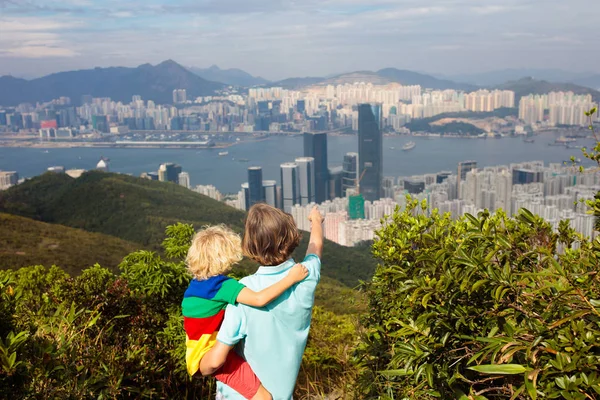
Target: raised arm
315, 244
260, 299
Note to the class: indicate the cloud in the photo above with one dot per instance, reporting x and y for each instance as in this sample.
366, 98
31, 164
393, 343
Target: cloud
35, 37
38, 52
279, 38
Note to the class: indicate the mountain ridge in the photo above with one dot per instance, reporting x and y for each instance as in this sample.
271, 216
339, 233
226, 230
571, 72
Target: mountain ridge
230, 76
527, 86
119, 83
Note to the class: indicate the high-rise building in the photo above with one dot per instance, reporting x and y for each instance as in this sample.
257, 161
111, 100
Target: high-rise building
8, 179
349, 174
335, 182
463, 168
270, 193
184, 179
255, 186
169, 172
315, 146
306, 172
290, 186
370, 151
414, 186
442, 176
179, 96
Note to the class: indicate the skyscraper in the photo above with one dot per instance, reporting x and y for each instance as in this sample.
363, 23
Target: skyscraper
270, 192
169, 172
255, 186
306, 176
349, 171
335, 182
315, 146
370, 150
463, 168
184, 179
179, 96
290, 186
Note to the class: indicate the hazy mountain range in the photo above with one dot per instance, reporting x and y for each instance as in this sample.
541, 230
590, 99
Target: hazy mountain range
157, 82
232, 76
119, 83
492, 78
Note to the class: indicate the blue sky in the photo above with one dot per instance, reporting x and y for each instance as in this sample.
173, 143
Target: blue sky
282, 38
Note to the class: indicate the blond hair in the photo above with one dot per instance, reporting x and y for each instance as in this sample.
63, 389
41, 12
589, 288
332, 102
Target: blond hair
213, 251
271, 236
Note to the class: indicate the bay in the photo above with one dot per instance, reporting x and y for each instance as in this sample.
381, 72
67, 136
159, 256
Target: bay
227, 172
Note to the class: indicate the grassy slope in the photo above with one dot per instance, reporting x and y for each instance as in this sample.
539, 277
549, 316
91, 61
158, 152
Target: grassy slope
25, 242
138, 210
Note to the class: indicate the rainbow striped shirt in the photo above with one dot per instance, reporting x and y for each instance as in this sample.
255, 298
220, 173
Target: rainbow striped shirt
203, 308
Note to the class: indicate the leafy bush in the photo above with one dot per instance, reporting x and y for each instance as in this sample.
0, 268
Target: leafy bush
487, 306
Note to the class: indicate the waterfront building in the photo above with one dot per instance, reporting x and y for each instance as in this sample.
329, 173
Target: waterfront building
370, 151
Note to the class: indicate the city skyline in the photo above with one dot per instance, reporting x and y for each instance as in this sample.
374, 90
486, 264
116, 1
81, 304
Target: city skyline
298, 39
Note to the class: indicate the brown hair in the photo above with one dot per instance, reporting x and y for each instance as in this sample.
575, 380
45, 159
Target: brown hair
270, 236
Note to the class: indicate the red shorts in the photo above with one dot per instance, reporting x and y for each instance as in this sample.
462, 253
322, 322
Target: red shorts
237, 374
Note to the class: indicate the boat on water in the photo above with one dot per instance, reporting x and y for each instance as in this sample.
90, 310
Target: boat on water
564, 140
574, 146
243, 160
576, 161
223, 153
529, 140
392, 148
409, 146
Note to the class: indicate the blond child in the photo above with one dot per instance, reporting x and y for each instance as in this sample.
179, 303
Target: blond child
212, 253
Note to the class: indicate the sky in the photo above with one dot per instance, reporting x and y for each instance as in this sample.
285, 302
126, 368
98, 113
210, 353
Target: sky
276, 39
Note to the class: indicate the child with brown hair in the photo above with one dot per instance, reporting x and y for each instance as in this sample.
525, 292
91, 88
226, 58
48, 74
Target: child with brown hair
272, 339
212, 253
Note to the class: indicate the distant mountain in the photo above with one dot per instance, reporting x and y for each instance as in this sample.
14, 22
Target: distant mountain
297, 83
493, 78
426, 81
232, 76
119, 83
380, 77
592, 81
526, 86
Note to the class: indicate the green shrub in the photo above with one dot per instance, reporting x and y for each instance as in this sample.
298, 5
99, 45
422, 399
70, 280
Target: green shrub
486, 306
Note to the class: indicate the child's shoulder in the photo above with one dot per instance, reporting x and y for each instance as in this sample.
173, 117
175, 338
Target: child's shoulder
206, 288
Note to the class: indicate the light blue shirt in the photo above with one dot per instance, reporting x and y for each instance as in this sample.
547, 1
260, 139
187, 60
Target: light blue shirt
272, 339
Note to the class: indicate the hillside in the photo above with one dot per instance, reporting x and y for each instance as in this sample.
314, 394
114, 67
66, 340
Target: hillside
526, 86
232, 76
25, 242
138, 210
426, 81
119, 83
381, 77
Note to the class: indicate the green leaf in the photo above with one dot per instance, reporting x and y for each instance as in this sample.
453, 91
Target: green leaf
396, 372
530, 386
500, 369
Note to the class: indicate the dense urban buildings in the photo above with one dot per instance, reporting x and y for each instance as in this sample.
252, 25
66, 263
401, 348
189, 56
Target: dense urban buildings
370, 151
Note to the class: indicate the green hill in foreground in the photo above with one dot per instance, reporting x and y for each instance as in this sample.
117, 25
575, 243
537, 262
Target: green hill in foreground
25, 242
138, 210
